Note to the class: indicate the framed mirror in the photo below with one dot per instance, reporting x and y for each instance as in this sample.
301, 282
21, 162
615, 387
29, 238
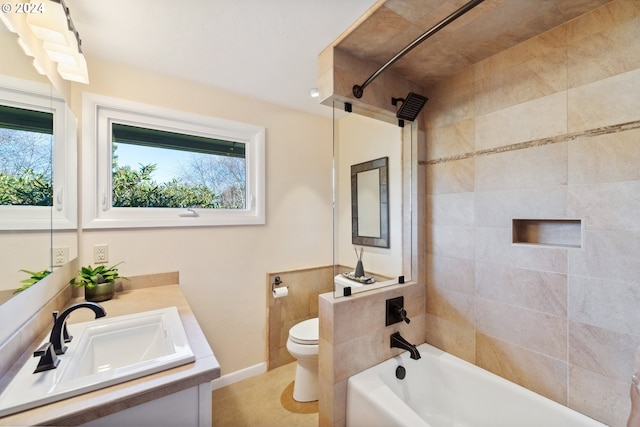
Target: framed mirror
371, 148
370, 203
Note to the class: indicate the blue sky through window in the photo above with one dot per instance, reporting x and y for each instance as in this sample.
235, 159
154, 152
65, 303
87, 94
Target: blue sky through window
170, 162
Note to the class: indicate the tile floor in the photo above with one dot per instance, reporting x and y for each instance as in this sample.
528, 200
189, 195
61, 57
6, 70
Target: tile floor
264, 400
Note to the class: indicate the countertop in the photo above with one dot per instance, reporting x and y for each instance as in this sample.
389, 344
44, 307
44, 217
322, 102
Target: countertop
96, 404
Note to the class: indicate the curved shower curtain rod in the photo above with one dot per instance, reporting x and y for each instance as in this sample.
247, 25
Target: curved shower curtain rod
358, 90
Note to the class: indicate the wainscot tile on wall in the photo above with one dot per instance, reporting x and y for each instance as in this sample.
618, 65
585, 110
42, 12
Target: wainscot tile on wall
612, 255
610, 50
456, 274
449, 140
532, 289
605, 303
535, 371
602, 351
598, 396
605, 158
609, 206
535, 167
300, 304
540, 332
533, 69
450, 177
536, 119
499, 208
450, 209
605, 102
494, 245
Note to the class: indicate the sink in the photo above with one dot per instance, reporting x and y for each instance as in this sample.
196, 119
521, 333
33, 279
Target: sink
103, 352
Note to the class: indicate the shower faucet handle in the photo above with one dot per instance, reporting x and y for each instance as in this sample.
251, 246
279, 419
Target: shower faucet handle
395, 311
403, 315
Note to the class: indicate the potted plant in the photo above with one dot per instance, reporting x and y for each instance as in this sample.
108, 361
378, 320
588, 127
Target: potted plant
98, 282
36, 276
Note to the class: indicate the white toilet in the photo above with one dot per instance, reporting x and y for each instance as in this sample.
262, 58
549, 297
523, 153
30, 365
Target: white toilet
303, 345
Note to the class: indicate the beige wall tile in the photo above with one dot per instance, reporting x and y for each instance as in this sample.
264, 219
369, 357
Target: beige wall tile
450, 177
611, 255
450, 241
451, 101
449, 140
455, 274
494, 245
535, 119
531, 289
609, 206
451, 306
540, 332
612, 51
605, 158
450, 209
451, 337
603, 19
602, 351
499, 208
605, 303
534, 167
542, 374
605, 102
531, 70
599, 397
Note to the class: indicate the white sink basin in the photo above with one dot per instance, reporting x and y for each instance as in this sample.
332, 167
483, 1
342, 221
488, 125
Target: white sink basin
103, 352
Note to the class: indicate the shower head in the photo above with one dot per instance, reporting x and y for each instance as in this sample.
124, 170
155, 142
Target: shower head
411, 106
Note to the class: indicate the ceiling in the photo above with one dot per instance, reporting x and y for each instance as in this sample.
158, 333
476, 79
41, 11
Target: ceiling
268, 49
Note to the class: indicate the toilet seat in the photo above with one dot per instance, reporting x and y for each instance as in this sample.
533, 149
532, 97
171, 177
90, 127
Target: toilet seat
306, 332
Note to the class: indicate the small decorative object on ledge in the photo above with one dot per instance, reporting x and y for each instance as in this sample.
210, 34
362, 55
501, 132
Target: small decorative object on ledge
98, 283
359, 267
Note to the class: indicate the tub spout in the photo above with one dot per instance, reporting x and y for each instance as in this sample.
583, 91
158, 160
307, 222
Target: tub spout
398, 341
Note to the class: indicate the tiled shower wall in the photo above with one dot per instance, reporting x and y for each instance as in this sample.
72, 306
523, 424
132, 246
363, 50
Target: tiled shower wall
549, 129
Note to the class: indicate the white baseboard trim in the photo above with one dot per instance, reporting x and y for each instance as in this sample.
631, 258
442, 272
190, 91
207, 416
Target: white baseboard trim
240, 375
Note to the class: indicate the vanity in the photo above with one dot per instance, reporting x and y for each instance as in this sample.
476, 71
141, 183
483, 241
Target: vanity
176, 396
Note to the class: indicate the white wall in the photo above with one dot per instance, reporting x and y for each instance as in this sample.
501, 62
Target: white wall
223, 270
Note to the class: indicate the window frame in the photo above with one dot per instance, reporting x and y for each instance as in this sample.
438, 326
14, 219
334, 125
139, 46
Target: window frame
62, 215
100, 111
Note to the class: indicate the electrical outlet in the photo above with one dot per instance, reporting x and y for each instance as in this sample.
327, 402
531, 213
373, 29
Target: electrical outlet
60, 256
101, 253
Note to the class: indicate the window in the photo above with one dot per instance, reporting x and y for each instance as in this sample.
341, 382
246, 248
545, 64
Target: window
37, 158
157, 167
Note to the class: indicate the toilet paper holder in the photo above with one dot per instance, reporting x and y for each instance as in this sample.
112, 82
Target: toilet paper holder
277, 282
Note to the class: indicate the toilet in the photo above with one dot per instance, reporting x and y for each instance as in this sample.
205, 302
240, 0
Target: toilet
303, 345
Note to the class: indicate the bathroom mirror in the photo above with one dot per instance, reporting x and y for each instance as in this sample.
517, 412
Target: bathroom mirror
370, 203
373, 144
27, 235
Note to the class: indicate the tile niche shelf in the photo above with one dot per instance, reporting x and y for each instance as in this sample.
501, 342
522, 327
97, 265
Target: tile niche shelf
562, 233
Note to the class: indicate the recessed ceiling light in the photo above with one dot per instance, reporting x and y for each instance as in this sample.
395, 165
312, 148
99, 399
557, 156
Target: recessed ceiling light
314, 93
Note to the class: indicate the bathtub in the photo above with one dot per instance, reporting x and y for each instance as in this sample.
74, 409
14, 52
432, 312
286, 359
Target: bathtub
441, 390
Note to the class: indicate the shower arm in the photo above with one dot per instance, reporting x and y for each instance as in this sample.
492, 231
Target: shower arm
358, 90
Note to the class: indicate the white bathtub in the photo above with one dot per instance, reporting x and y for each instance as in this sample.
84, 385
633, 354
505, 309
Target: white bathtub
441, 390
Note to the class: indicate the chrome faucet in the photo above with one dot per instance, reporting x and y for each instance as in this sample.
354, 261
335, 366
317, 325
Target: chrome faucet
398, 341
59, 332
